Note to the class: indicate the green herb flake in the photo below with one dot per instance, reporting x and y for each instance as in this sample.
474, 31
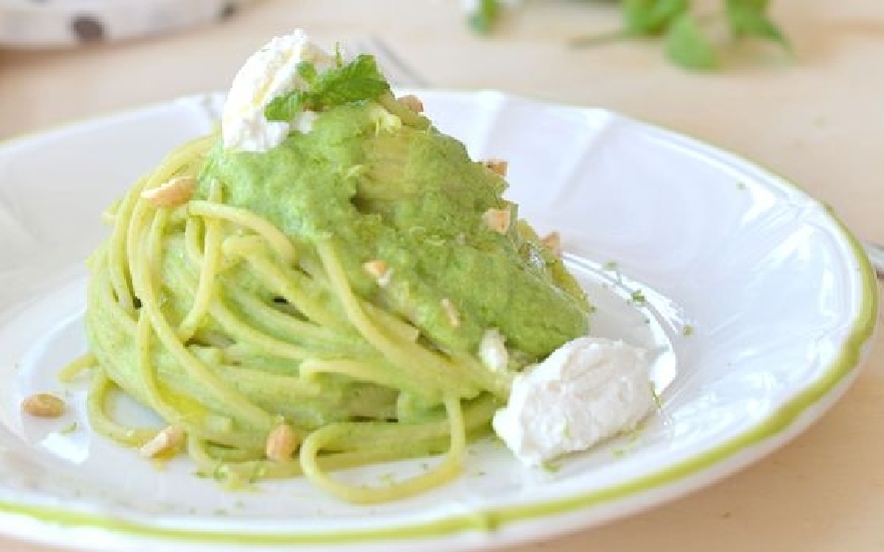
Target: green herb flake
220, 472
687, 330
388, 478
638, 297
68, 429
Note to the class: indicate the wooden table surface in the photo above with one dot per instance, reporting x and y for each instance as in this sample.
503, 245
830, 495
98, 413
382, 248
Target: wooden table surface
816, 118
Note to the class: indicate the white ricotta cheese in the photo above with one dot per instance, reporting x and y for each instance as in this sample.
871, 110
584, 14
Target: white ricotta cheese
586, 391
269, 73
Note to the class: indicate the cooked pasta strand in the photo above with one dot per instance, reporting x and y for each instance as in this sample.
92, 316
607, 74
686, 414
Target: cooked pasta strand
209, 315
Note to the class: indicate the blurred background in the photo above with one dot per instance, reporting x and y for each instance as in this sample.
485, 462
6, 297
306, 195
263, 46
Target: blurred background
779, 108
813, 113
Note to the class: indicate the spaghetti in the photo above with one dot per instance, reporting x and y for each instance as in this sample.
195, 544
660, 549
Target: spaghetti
247, 307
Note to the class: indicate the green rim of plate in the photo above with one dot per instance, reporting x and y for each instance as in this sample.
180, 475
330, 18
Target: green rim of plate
849, 358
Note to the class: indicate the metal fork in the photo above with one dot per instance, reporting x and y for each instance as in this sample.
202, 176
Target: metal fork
401, 74
875, 252
398, 71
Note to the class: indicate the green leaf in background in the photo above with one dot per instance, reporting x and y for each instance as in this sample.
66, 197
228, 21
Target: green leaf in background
680, 22
651, 17
687, 46
757, 5
748, 18
485, 14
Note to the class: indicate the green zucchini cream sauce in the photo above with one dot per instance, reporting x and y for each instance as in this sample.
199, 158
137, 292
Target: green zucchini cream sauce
379, 189
410, 196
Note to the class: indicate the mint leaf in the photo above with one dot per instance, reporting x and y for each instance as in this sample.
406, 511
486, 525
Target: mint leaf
748, 18
307, 71
357, 81
285, 107
486, 14
651, 17
686, 45
354, 82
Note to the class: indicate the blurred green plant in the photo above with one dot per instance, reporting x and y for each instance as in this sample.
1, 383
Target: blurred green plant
688, 41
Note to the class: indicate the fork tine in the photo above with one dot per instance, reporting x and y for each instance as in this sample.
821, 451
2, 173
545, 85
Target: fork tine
876, 255
396, 69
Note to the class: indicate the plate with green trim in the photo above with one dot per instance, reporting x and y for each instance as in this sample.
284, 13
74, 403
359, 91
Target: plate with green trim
756, 302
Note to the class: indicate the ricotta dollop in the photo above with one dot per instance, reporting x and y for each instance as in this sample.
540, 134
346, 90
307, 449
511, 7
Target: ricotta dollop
269, 73
587, 390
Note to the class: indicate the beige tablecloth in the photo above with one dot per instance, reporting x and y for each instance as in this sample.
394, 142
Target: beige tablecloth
817, 119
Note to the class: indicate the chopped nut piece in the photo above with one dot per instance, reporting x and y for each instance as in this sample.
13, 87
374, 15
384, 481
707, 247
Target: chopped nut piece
553, 241
497, 166
163, 441
497, 220
177, 191
281, 443
412, 102
450, 312
43, 405
378, 268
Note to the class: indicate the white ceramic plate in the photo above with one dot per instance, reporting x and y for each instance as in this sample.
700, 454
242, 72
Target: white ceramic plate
758, 303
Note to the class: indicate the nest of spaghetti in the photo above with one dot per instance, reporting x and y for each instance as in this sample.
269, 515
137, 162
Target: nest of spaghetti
361, 293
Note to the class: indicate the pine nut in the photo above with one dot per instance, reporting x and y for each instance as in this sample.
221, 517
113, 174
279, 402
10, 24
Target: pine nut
281, 443
44, 405
497, 220
164, 441
177, 191
497, 166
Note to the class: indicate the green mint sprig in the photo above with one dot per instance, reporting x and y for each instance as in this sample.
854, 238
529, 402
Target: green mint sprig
353, 82
687, 42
